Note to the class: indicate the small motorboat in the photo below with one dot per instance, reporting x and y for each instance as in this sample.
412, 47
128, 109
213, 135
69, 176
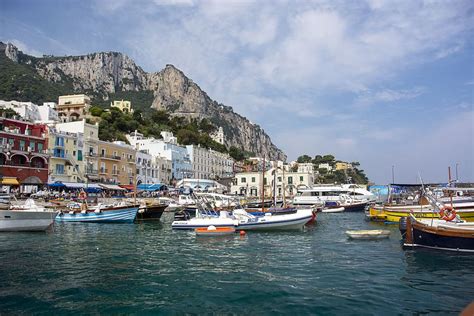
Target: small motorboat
214, 231
333, 210
369, 234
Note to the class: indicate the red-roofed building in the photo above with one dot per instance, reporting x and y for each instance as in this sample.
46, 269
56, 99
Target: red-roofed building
23, 154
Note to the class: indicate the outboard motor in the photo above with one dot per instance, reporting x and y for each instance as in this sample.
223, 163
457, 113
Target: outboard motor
182, 215
402, 226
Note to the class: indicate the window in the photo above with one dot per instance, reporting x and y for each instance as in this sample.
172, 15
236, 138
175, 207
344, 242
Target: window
253, 179
290, 180
279, 179
79, 155
40, 147
74, 153
102, 152
59, 169
264, 181
22, 144
32, 145
11, 141
301, 178
243, 180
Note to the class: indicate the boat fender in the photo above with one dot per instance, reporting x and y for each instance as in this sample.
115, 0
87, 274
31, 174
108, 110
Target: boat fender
450, 214
242, 233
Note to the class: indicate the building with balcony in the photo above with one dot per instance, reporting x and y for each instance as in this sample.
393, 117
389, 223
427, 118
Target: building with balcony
66, 156
87, 144
23, 156
116, 162
73, 107
250, 183
122, 105
181, 166
148, 171
208, 163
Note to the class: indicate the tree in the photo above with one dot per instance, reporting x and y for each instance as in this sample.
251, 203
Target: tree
95, 110
236, 153
304, 159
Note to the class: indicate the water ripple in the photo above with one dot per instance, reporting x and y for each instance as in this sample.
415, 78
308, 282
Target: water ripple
148, 268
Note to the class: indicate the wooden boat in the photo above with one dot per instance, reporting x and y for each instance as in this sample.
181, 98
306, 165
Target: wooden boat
439, 234
150, 211
214, 231
368, 234
100, 214
333, 210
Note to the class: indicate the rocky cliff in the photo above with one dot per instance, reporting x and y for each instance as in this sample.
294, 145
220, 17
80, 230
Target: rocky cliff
106, 73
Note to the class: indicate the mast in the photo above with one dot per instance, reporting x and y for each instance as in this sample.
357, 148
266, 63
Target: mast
274, 186
449, 183
263, 184
283, 187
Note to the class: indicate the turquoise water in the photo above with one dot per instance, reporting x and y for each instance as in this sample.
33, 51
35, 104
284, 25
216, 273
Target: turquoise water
148, 268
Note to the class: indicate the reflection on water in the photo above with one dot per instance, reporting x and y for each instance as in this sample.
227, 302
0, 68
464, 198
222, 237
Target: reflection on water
147, 267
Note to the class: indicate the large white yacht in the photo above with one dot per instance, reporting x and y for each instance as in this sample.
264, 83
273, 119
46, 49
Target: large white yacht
318, 195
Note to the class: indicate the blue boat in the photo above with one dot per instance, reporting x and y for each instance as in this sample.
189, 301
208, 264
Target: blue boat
101, 214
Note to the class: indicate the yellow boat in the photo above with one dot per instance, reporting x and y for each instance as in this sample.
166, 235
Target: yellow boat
392, 213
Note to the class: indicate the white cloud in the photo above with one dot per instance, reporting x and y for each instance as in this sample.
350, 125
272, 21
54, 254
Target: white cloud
387, 95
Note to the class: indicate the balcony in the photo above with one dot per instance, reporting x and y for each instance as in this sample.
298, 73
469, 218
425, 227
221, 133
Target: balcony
112, 157
92, 172
91, 154
103, 171
115, 172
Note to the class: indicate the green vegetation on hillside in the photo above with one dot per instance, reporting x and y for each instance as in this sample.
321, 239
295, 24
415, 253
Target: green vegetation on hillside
352, 175
141, 100
114, 124
20, 82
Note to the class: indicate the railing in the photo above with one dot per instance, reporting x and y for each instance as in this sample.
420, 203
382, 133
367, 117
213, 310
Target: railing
92, 171
110, 157
115, 172
103, 171
89, 154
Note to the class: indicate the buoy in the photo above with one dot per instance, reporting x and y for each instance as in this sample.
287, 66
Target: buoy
212, 227
242, 233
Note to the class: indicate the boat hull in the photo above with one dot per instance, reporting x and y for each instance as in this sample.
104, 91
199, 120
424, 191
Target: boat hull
218, 231
11, 221
294, 221
441, 238
194, 223
153, 212
368, 234
117, 215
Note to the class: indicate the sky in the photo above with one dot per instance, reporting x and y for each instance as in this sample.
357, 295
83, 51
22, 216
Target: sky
389, 84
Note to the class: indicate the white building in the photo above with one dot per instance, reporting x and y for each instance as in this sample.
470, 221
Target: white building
48, 113
306, 167
27, 110
218, 136
325, 166
250, 183
208, 163
148, 169
168, 148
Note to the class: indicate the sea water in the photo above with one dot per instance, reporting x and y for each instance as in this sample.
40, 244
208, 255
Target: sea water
150, 269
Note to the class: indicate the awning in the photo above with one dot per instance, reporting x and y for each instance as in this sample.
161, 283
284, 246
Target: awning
151, 187
111, 187
127, 186
9, 181
57, 184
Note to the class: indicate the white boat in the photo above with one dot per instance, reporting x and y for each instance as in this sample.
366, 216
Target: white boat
205, 219
368, 234
241, 220
318, 195
333, 210
297, 220
26, 217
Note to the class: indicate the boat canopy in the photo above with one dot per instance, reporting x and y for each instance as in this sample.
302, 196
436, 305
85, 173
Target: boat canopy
152, 187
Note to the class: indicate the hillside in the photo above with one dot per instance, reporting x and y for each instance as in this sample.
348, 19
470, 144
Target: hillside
112, 75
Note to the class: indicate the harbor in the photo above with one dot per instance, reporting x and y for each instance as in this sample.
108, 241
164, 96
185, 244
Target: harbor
150, 268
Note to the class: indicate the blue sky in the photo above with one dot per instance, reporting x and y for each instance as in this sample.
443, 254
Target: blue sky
385, 83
